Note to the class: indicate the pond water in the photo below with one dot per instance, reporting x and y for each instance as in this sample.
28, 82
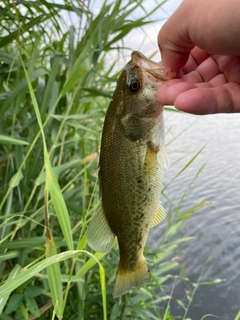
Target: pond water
216, 227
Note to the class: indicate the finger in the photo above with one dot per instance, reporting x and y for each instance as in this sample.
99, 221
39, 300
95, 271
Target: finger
221, 99
190, 66
205, 72
219, 80
230, 66
173, 40
197, 56
172, 55
168, 92
208, 69
192, 78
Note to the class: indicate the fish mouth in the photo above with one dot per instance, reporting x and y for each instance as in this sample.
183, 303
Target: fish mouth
156, 69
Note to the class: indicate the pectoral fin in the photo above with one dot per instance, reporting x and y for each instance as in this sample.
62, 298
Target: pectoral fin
160, 215
99, 235
166, 159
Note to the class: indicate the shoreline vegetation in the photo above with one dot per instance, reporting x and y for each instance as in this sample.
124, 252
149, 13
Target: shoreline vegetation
56, 83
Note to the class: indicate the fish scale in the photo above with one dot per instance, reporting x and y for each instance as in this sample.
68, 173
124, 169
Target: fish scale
131, 166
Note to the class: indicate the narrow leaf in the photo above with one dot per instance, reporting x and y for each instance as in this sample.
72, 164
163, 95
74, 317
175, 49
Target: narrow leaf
28, 273
12, 275
54, 276
15, 180
185, 167
10, 140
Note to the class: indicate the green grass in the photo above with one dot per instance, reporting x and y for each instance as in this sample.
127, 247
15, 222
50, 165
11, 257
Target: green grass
55, 86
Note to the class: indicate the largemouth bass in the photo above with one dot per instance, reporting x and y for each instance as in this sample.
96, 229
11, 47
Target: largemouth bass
131, 169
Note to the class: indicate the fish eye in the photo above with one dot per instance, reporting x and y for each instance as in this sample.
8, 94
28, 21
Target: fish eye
134, 85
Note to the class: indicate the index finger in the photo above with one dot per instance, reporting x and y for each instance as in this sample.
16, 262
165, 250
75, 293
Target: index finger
197, 56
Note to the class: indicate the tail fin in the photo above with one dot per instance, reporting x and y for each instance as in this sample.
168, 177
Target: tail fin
128, 279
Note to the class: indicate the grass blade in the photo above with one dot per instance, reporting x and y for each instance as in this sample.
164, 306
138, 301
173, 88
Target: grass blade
10, 140
185, 167
12, 275
27, 273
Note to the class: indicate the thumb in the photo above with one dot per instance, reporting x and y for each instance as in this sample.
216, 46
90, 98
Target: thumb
174, 41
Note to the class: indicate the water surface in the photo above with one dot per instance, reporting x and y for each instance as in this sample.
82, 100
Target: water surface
216, 227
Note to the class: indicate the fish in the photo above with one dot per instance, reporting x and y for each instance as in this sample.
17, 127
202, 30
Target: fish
131, 165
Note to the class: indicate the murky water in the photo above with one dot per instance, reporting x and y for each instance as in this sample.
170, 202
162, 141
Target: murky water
216, 227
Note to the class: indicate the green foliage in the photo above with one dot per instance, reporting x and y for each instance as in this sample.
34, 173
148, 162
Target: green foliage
237, 316
55, 86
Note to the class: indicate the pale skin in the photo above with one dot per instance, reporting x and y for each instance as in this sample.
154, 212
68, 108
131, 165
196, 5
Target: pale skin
201, 42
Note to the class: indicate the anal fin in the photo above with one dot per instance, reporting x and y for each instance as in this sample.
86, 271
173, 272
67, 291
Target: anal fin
160, 215
99, 235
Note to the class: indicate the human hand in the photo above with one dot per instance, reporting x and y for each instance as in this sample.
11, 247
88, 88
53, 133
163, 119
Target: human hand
208, 79
206, 84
